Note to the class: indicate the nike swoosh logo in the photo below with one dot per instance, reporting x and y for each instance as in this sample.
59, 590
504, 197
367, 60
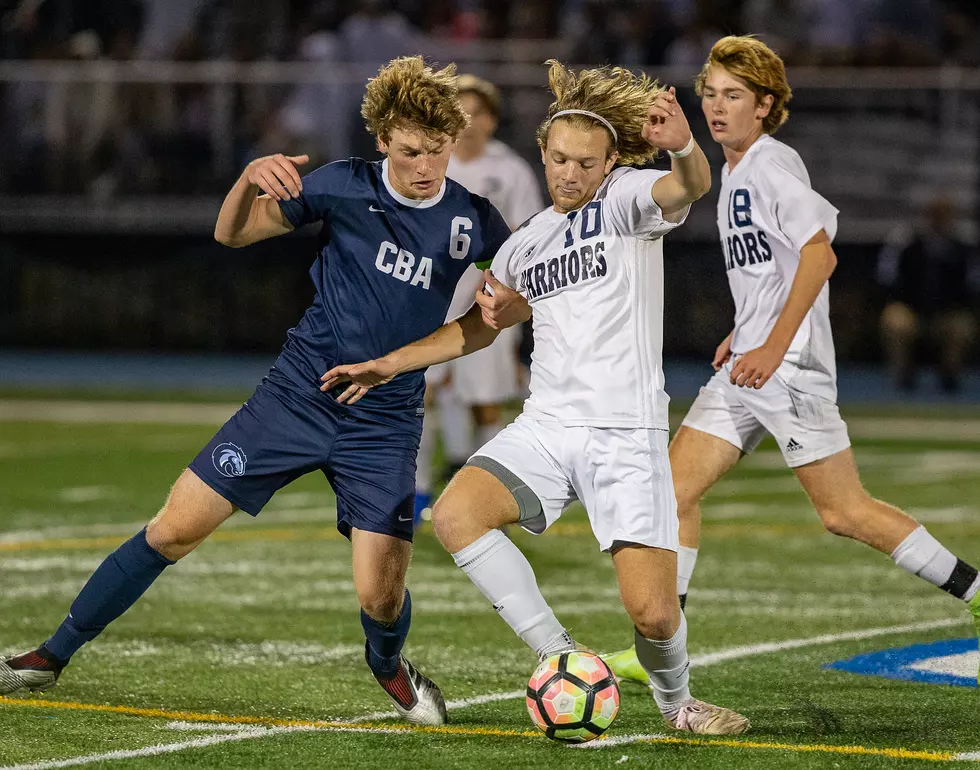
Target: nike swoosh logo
377, 211
401, 518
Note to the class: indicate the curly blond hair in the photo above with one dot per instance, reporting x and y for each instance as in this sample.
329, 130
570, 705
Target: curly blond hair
616, 94
759, 66
408, 94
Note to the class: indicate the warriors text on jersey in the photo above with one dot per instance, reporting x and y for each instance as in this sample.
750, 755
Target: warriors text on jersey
594, 278
385, 273
767, 212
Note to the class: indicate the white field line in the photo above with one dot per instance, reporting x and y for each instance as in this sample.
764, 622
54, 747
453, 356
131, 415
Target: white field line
707, 659
618, 740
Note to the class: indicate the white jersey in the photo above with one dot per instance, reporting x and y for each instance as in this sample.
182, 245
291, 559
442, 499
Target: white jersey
767, 211
594, 279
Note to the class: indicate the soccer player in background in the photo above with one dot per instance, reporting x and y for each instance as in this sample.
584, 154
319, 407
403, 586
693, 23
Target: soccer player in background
595, 425
472, 390
776, 370
395, 238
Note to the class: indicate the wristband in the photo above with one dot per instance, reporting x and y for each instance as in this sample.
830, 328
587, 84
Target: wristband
688, 149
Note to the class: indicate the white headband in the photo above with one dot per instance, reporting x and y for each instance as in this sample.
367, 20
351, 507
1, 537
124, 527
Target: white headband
592, 115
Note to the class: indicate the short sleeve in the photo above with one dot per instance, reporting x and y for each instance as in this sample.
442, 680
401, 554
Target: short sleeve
321, 188
495, 232
630, 205
797, 211
502, 266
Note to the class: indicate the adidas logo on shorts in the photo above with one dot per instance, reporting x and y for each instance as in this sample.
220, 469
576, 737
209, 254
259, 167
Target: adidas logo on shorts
793, 445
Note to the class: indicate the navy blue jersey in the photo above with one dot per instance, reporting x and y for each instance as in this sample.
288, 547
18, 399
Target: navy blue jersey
386, 271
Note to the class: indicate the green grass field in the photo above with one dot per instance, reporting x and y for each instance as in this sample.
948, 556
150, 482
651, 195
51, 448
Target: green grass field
248, 653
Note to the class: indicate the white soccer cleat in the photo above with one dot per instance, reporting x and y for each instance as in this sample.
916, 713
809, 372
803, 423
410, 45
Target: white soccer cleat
417, 698
28, 671
702, 718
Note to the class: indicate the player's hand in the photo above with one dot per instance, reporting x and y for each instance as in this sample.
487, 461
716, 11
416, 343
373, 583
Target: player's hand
501, 305
362, 377
276, 175
754, 369
666, 125
723, 352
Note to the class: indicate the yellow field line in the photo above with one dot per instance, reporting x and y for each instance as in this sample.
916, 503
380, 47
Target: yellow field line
891, 753
190, 716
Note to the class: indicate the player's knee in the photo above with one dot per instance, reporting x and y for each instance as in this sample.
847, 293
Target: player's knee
164, 537
660, 624
383, 606
837, 521
445, 519
655, 619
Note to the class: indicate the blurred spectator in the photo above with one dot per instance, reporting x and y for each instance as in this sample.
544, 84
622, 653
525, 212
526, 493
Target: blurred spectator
782, 24
903, 34
931, 283
835, 28
316, 118
630, 34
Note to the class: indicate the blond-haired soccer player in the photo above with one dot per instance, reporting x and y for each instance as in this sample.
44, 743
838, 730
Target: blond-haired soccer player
471, 391
776, 371
595, 426
396, 236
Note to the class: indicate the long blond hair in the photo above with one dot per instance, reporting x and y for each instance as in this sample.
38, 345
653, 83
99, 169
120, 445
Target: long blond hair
759, 66
408, 94
616, 94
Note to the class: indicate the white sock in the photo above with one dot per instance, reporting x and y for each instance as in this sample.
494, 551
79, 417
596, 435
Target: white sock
921, 554
686, 559
457, 429
667, 664
499, 569
486, 432
427, 448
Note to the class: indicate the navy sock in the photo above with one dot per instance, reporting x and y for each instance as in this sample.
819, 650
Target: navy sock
385, 641
113, 588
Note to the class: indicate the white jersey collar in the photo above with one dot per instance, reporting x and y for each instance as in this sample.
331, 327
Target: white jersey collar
410, 202
761, 141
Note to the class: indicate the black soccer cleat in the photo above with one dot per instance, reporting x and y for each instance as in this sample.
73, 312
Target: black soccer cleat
416, 698
36, 670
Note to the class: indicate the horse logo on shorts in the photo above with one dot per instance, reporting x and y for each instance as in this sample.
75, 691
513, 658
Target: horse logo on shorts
229, 460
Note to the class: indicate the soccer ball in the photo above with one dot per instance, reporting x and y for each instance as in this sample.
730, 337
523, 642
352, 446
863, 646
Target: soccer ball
573, 697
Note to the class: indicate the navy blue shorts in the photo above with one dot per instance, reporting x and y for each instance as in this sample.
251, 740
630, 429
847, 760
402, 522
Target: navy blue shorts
280, 434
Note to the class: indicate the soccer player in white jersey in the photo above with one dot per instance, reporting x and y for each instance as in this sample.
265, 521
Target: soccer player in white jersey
472, 390
595, 425
776, 371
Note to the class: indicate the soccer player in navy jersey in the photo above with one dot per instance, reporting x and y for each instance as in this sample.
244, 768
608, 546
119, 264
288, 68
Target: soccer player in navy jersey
395, 238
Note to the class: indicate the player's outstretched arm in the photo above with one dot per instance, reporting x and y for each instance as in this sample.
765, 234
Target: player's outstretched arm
817, 263
246, 216
690, 174
466, 334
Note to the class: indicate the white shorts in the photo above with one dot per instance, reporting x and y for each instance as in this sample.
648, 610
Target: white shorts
488, 376
621, 475
806, 426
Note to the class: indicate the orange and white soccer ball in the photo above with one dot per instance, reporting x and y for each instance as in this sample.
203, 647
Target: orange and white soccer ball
573, 697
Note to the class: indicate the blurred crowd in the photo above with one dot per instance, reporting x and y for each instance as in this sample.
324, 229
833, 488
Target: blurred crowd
631, 32
106, 139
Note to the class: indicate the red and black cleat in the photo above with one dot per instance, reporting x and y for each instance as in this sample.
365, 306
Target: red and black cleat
416, 697
35, 670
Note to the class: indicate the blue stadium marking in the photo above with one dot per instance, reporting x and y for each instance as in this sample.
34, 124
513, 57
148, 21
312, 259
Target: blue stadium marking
913, 663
